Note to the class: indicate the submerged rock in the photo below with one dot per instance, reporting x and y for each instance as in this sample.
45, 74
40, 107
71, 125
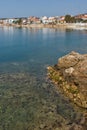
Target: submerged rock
70, 75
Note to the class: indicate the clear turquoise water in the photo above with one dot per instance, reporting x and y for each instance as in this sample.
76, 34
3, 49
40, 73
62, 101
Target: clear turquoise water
30, 51
39, 45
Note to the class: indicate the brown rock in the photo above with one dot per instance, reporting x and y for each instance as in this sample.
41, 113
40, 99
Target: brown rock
69, 60
72, 68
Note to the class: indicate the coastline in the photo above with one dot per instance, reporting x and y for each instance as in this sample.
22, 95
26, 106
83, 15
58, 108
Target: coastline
82, 26
66, 75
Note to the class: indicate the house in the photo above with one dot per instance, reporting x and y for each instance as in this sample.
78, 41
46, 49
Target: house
10, 21
44, 20
84, 17
24, 21
61, 20
15, 20
34, 20
81, 17
28, 21
5, 21
52, 20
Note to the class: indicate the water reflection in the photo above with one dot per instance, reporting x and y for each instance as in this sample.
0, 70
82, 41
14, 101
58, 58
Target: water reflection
8, 30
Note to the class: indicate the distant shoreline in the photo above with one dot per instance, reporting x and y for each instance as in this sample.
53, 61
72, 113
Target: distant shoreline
82, 26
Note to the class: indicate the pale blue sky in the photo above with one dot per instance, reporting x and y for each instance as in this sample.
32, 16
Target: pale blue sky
19, 8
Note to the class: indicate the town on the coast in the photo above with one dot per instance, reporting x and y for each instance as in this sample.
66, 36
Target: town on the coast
80, 20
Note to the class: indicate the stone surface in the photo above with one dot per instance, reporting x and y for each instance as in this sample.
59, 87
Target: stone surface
70, 77
70, 74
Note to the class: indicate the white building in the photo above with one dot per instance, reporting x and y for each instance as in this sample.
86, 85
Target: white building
45, 20
51, 19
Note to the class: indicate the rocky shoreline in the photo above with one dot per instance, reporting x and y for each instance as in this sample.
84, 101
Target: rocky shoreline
70, 74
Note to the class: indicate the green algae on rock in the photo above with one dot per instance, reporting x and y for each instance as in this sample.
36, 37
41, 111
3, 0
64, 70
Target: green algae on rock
70, 75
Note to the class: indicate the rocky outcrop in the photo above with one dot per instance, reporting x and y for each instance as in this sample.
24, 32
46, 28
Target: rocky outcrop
70, 75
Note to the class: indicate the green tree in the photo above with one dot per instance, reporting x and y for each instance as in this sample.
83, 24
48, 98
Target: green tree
19, 21
73, 20
85, 21
68, 18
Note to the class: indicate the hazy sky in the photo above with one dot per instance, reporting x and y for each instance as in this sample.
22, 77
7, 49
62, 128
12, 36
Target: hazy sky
18, 8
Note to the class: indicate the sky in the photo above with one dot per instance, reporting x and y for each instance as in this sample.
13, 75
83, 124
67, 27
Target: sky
25, 8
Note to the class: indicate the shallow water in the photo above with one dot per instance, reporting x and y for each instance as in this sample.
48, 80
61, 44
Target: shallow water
28, 101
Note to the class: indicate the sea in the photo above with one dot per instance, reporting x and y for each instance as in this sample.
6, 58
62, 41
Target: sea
28, 99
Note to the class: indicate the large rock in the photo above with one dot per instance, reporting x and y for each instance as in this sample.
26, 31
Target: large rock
70, 74
69, 60
75, 69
